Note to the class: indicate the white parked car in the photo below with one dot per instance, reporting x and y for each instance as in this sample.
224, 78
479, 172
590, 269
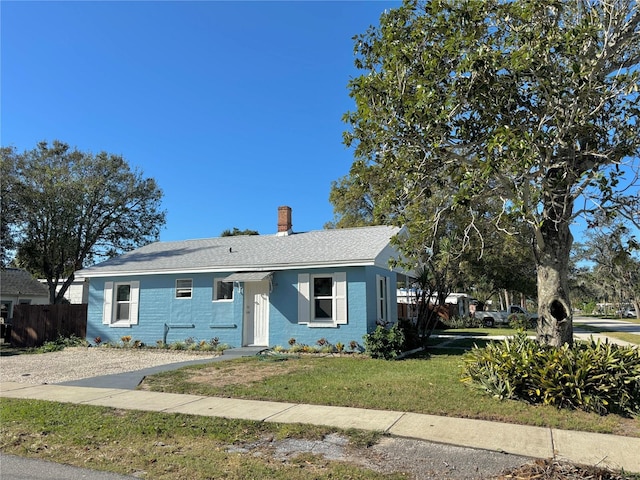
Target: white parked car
492, 318
631, 313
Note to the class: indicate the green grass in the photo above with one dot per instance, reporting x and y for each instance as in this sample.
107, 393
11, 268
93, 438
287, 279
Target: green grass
430, 385
480, 332
164, 446
626, 337
457, 343
613, 317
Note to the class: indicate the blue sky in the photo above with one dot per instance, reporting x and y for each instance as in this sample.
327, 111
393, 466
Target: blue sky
233, 107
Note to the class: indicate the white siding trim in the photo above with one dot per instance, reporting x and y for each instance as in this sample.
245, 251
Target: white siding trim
135, 300
107, 306
389, 304
340, 297
304, 304
382, 309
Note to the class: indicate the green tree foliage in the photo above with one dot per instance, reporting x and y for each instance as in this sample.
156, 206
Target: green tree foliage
353, 200
530, 104
8, 208
71, 209
507, 264
237, 231
614, 252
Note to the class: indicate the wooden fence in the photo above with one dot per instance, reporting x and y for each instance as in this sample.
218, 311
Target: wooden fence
33, 325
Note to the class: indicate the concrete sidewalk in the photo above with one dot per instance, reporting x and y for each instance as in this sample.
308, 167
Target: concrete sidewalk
615, 452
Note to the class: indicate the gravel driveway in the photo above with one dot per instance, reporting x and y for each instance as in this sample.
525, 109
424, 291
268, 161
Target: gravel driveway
76, 363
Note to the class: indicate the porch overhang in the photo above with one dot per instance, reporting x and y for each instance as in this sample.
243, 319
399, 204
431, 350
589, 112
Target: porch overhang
247, 276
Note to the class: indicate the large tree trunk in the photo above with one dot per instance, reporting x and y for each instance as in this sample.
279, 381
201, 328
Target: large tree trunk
555, 321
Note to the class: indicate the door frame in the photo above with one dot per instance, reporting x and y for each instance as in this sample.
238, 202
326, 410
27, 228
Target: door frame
252, 316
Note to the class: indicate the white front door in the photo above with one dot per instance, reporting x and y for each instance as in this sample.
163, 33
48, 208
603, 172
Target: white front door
256, 314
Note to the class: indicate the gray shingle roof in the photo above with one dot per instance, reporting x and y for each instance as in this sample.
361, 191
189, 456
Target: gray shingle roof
338, 247
14, 282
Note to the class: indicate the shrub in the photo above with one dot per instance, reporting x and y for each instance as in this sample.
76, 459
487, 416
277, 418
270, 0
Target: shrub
178, 346
385, 343
520, 321
589, 307
412, 338
462, 322
61, 343
595, 377
310, 349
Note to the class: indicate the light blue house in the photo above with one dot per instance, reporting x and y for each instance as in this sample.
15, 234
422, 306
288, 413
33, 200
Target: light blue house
248, 290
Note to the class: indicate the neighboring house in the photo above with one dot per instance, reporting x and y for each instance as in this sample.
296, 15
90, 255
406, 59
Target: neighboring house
457, 304
19, 287
248, 290
78, 291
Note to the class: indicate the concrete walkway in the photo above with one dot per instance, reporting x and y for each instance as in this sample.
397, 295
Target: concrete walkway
615, 452
131, 380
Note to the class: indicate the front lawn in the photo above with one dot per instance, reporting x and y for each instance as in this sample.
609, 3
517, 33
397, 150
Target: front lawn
427, 384
155, 445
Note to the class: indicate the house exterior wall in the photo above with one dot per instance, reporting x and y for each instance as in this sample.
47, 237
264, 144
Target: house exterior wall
283, 321
7, 302
77, 292
163, 317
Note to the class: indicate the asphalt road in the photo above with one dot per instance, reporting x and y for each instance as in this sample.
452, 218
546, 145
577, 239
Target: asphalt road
20, 468
622, 325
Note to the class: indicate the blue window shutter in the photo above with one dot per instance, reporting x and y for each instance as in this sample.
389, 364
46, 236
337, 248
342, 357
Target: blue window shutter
133, 304
107, 307
304, 305
340, 297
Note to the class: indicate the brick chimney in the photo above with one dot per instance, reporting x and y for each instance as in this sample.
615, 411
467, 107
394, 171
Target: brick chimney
284, 221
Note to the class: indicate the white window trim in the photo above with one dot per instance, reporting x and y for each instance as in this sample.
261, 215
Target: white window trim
383, 309
184, 288
215, 291
318, 320
108, 312
306, 304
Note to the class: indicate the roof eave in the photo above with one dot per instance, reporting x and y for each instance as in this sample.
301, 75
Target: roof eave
224, 269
